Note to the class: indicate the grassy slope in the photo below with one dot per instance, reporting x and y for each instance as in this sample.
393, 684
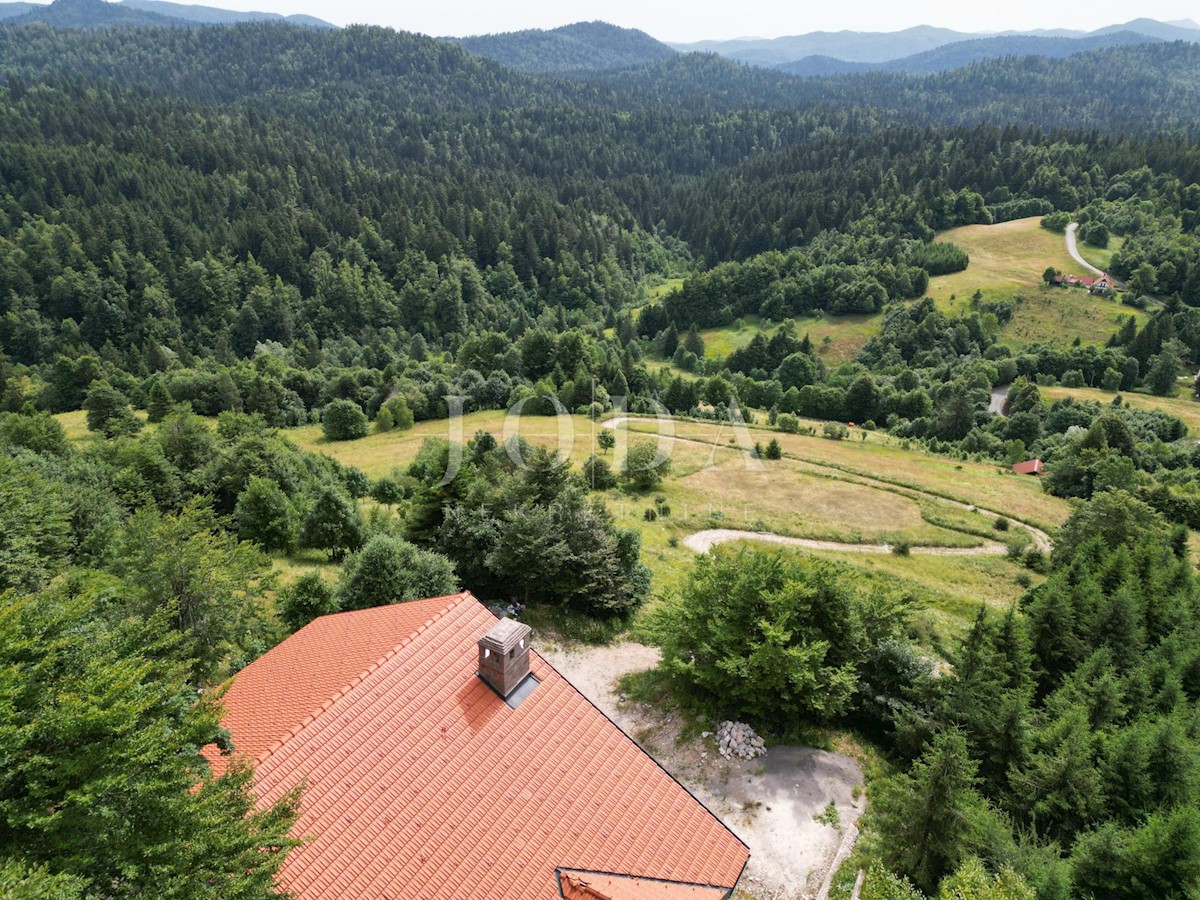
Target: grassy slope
881, 456
1008, 260
1182, 407
711, 486
1101, 258
814, 492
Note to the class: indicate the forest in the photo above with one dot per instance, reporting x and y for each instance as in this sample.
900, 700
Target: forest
211, 235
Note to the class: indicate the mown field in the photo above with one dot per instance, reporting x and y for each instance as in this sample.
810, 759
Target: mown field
854, 492
848, 491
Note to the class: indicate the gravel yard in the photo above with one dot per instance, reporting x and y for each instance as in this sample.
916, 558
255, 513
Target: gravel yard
769, 802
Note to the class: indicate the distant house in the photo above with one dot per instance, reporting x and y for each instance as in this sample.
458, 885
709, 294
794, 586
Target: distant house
1030, 467
441, 757
1102, 285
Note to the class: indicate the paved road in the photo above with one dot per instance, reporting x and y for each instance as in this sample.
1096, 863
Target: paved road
1073, 249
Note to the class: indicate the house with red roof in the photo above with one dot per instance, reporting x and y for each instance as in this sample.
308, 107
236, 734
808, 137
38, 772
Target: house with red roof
441, 757
1029, 467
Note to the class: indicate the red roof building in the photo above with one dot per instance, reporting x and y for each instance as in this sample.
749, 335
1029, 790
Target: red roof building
442, 758
1031, 467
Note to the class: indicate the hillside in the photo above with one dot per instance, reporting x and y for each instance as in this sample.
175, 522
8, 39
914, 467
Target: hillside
127, 13
735, 363
11, 10
584, 46
89, 14
211, 15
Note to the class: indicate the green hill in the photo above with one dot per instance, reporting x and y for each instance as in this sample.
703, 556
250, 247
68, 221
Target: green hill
584, 46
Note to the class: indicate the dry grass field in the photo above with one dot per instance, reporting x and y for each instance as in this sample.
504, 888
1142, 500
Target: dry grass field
847, 491
881, 457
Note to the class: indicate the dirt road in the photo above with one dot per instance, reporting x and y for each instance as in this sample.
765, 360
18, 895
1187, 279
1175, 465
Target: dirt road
703, 541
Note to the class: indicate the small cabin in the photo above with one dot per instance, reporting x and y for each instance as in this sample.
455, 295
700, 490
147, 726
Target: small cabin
1029, 467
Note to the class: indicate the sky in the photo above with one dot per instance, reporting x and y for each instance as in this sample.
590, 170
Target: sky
680, 21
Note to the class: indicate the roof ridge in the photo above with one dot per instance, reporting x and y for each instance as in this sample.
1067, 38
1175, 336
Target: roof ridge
454, 599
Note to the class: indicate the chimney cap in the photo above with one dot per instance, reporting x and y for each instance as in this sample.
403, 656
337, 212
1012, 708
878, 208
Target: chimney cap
506, 635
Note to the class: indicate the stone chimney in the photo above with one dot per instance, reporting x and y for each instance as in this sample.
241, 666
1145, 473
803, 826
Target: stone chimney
504, 656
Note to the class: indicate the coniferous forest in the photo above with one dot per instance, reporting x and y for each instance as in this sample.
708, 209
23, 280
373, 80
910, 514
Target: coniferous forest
223, 232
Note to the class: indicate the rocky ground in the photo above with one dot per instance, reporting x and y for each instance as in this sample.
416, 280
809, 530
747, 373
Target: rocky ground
769, 801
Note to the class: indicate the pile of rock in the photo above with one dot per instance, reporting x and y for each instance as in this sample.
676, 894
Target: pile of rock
738, 740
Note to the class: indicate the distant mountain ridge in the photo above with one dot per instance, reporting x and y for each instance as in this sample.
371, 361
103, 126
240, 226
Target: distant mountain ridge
137, 13
795, 53
584, 46
848, 46
90, 14
964, 53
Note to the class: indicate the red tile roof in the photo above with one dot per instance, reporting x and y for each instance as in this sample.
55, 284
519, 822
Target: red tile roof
420, 782
288, 686
1032, 467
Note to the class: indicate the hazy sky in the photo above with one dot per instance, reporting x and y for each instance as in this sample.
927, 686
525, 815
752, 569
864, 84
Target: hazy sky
679, 21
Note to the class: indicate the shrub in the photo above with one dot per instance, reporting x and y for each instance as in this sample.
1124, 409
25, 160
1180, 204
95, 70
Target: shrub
265, 515
1094, 234
1001, 524
788, 423
1057, 222
389, 491
305, 599
598, 474
643, 469
901, 548
835, 431
650, 515
390, 570
343, 420
108, 411
160, 402
774, 451
39, 432
394, 414
333, 522
770, 636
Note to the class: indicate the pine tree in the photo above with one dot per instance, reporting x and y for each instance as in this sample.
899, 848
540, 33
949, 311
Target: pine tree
159, 403
925, 818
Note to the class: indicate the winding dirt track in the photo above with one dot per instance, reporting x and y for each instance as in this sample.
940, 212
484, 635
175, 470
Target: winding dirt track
703, 541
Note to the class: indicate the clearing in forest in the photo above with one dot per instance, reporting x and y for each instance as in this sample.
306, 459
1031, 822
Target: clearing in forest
1007, 261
